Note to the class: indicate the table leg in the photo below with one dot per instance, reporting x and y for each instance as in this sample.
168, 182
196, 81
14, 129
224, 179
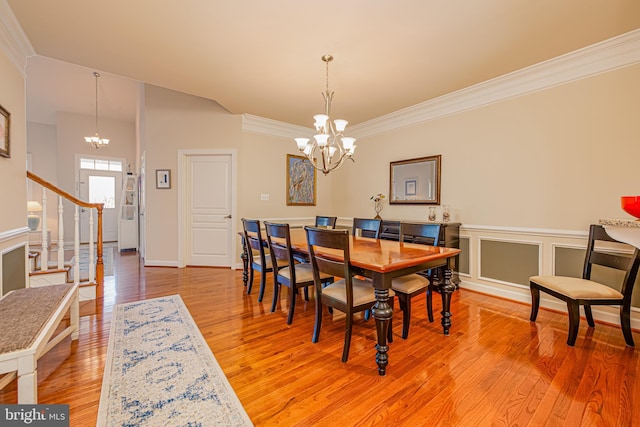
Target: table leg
446, 289
382, 313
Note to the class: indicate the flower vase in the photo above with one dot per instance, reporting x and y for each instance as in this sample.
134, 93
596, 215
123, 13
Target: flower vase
378, 207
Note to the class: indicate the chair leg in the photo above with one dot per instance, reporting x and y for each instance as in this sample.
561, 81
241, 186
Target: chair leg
306, 293
405, 306
263, 284
625, 322
430, 303
250, 281
535, 302
347, 337
318, 324
589, 316
291, 295
276, 291
390, 329
574, 322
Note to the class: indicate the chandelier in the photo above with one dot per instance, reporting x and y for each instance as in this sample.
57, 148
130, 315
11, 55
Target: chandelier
95, 140
329, 148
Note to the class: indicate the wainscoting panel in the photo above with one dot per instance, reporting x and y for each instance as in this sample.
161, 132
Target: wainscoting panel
509, 261
500, 260
13, 269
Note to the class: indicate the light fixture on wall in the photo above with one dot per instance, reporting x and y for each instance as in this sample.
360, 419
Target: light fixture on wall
325, 152
95, 140
33, 219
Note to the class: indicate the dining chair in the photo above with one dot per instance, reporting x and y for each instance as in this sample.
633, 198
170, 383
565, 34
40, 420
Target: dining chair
406, 287
368, 227
587, 292
286, 271
326, 221
258, 258
350, 294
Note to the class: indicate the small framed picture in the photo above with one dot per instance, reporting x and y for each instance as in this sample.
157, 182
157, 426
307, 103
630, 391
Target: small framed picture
5, 124
163, 178
410, 187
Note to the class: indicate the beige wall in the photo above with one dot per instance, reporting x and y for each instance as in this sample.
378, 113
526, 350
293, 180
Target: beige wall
175, 121
558, 158
262, 170
13, 215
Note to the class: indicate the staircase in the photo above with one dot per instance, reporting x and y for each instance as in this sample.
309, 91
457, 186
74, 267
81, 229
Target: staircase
49, 263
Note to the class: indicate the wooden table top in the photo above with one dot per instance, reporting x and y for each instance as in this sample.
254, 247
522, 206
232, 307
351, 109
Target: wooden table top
380, 255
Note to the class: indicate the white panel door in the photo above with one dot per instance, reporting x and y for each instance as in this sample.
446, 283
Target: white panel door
208, 210
98, 186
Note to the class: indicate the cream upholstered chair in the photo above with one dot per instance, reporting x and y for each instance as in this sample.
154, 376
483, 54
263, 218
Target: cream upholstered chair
349, 295
286, 271
586, 292
406, 287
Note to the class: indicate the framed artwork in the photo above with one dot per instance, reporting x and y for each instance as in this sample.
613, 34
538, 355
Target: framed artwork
410, 187
301, 181
163, 178
5, 125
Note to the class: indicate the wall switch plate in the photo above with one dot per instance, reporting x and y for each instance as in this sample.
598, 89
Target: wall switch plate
264, 197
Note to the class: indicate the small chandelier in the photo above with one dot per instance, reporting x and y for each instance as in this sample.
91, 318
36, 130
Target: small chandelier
325, 152
95, 141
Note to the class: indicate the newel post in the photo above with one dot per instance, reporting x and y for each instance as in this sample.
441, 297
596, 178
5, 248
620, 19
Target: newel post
99, 263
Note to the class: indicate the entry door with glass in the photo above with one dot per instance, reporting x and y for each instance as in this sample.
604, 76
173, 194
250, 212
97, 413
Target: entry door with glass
98, 186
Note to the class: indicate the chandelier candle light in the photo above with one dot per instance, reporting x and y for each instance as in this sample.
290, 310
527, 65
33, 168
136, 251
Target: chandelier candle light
325, 152
95, 140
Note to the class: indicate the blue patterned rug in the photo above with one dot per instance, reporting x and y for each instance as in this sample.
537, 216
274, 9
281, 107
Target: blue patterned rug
161, 372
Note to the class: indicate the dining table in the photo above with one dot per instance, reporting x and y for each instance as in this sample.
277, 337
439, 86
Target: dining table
381, 261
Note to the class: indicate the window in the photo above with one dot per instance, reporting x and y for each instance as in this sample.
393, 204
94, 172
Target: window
101, 165
102, 190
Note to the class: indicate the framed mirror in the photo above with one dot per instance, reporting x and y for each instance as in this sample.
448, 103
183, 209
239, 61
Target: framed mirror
415, 181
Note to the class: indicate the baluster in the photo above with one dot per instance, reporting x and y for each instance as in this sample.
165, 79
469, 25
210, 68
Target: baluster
92, 268
76, 246
60, 234
44, 261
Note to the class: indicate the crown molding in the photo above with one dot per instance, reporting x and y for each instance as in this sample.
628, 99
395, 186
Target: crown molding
608, 55
13, 40
251, 123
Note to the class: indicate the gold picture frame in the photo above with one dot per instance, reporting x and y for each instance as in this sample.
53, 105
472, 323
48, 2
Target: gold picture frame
5, 127
301, 181
415, 181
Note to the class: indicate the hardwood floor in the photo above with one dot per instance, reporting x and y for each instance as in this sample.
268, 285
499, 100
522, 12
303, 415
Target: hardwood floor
496, 367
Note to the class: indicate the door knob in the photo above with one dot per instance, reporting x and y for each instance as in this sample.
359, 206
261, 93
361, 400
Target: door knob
228, 216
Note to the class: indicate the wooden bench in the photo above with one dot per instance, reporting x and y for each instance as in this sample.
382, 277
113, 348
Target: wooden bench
29, 319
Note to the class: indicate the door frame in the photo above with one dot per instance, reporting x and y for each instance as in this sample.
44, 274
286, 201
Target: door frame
183, 157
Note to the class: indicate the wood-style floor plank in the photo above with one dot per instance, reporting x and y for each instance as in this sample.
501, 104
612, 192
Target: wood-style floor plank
496, 367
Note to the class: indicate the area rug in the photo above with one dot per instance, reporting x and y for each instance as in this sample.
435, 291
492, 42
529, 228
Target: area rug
161, 372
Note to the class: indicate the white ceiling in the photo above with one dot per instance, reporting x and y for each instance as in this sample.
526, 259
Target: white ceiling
263, 57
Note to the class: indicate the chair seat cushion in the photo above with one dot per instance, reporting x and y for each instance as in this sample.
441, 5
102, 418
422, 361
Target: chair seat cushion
304, 273
409, 283
363, 292
576, 288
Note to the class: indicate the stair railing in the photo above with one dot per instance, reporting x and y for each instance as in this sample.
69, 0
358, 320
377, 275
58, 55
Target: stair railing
96, 264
